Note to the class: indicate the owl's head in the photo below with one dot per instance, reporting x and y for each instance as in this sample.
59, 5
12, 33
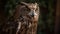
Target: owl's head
29, 9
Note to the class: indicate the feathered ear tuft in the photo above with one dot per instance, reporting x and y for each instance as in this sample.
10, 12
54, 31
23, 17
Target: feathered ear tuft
36, 4
24, 3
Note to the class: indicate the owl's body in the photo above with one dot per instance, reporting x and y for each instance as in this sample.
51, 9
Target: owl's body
29, 14
26, 16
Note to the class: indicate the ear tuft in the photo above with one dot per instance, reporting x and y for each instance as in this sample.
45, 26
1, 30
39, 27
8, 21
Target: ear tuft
24, 3
35, 3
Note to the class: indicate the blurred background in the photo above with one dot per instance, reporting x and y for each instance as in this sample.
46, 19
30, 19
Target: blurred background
47, 18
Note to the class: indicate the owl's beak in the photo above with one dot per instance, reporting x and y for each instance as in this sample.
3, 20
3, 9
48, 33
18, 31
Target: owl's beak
32, 14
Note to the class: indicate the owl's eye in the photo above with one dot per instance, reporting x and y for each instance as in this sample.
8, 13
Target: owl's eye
36, 9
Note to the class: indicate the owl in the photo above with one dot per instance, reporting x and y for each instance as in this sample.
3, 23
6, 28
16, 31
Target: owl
26, 14
24, 19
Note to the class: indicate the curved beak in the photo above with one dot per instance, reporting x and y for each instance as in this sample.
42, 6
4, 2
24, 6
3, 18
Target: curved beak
32, 13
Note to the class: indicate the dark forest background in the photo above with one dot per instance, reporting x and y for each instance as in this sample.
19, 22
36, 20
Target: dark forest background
46, 18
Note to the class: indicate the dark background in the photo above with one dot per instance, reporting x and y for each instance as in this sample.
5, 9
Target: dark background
47, 18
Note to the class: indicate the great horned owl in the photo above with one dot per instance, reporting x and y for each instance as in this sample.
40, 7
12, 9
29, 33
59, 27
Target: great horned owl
27, 16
